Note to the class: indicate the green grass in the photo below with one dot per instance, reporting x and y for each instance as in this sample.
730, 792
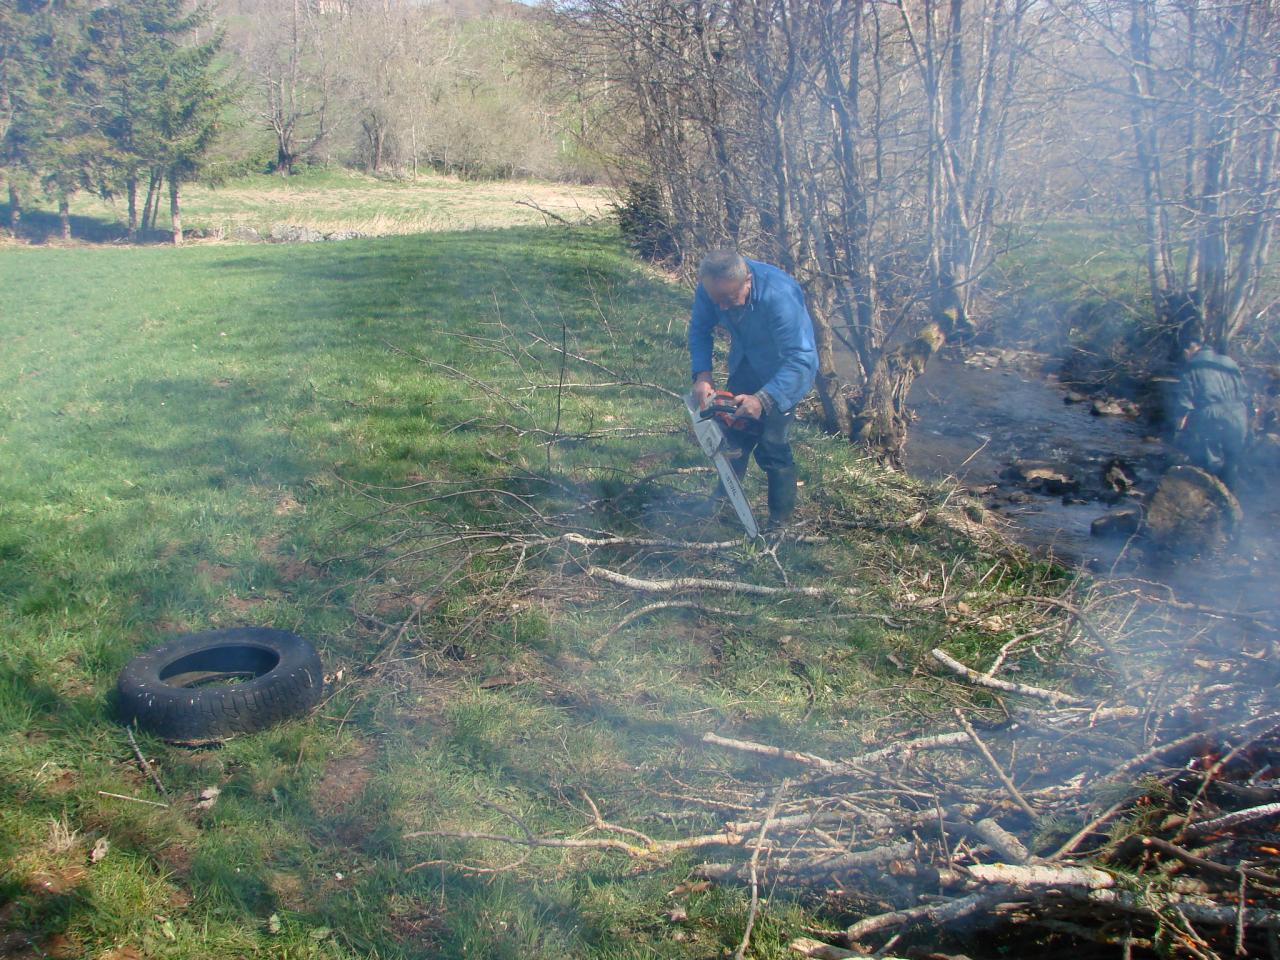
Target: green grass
223, 434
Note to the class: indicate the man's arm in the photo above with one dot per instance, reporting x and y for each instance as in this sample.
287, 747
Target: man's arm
793, 334
702, 321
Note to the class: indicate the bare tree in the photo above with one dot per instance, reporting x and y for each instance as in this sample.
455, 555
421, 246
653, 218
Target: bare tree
1201, 83
858, 146
287, 49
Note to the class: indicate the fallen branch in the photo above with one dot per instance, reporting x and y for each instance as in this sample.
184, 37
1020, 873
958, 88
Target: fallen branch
121, 796
1008, 686
1028, 877
818, 950
544, 211
937, 914
1001, 840
677, 584
1209, 866
765, 750
1003, 777
755, 873
939, 741
1230, 820
1195, 910
812, 865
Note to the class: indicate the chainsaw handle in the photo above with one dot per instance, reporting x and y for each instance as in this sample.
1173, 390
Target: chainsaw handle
720, 406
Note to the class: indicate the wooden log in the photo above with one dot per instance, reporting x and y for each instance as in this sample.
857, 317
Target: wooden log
1025, 877
1000, 840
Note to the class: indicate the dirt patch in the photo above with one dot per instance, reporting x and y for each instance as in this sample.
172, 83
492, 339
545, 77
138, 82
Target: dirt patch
217, 572
290, 893
290, 569
245, 605
287, 505
53, 881
415, 923
343, 781
167, 626
175, 859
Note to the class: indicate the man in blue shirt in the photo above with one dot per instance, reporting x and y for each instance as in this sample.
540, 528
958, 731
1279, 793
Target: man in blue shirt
772, 361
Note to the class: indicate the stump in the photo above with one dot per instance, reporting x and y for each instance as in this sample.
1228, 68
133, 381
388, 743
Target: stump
1192, 512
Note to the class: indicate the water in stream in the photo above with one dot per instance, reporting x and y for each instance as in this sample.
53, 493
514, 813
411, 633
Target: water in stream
975, 419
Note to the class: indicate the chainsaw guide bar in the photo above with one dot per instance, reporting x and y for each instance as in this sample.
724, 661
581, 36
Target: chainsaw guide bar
712, 441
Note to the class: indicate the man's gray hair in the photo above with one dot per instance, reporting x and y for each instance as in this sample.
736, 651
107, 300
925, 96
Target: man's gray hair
724, 264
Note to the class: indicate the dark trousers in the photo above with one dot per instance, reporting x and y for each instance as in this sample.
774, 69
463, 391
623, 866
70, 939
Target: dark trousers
771, 444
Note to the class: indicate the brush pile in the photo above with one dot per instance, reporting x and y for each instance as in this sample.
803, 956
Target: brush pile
1149, 820
1139, 810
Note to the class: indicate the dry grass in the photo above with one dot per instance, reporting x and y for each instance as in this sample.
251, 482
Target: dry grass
340, 200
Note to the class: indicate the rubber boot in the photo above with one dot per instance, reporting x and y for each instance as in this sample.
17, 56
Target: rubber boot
782, 495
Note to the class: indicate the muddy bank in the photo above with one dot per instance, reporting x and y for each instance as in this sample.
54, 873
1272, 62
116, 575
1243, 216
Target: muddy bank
1043, 459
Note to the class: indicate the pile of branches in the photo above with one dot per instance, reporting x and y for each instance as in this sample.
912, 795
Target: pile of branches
1137, 815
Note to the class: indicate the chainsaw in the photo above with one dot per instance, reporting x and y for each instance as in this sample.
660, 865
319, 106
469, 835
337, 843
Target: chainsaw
708, 427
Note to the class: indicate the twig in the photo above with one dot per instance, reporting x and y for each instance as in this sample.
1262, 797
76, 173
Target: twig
1209, 866
755, 876
137, 752
121, 796
555, 432
1078, 837
1014, 792
994, 683
544, 211
1240, 906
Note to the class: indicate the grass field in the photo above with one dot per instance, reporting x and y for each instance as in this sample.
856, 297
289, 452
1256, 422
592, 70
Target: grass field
306, 436
326, 200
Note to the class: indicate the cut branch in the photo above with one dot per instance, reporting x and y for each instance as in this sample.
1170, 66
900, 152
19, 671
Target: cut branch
994, 683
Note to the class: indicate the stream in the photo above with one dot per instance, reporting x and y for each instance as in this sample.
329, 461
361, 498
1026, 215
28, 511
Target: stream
977, 417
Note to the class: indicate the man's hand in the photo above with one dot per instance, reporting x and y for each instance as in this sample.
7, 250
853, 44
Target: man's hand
748, 406
703, 391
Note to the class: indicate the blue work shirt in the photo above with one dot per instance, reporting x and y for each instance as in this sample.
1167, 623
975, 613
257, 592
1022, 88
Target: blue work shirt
772, 331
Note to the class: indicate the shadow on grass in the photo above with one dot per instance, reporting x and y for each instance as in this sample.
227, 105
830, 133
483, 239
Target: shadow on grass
43, 226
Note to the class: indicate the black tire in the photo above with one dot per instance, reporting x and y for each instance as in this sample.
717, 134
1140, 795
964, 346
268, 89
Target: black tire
173, 690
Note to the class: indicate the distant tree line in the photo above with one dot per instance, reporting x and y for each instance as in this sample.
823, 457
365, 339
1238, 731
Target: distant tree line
879, 151
131, 99
119, 98
393, 86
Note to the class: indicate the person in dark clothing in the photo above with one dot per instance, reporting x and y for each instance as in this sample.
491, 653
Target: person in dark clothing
772, 361
1211, 411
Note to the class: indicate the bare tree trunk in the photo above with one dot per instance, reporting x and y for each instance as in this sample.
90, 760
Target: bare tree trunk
1159, 272
15, 208
64, 215
882, 419
175, 214
152, 201
131, 187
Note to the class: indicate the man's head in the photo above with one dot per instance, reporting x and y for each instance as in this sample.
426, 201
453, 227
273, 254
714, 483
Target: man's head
726, 278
